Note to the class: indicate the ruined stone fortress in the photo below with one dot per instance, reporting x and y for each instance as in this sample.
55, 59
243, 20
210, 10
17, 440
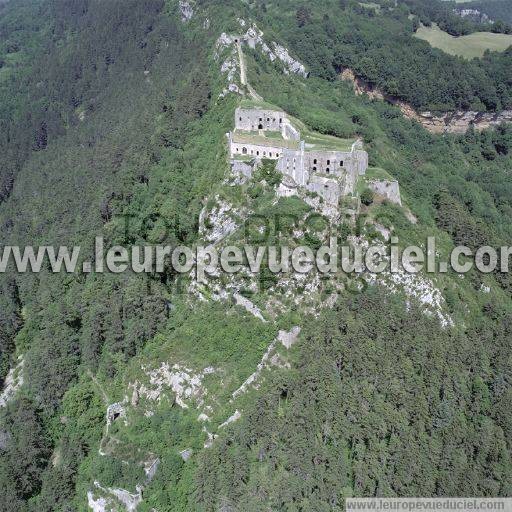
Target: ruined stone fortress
324, 165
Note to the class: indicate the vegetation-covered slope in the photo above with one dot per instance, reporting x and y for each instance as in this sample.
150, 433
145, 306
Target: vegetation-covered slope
379, 46
113, 108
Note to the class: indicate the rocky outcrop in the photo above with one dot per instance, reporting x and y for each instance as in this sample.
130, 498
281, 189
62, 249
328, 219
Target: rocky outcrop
249, 306
186, 10
220, 222
460, 122
13, 383
234, 417
181, 383
113, 497
389, 190
270, 358
186, 454
289, 338
450, 122
230, 45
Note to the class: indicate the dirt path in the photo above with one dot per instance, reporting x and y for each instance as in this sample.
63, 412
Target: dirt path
100, 387
243, 74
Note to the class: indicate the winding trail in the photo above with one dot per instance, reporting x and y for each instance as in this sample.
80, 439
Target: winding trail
99, 386
243, 74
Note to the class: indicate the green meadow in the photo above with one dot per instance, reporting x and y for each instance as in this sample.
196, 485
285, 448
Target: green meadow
470, 46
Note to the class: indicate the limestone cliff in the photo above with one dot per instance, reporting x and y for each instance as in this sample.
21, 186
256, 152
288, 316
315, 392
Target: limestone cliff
449, 122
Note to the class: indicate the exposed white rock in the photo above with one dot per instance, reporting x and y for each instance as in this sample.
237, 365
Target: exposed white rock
219, 223
249, 306
423, 290
230, 66
211, 438
415, 285
150, 467
288, 338
130, 501
186, 10
182, 382
13, 382
390, 190
100, 504
410, 216
135, 397
269, 358
234, 417
232, 88
277, 361
240, 172
224, 41
186, 454
253, 37
450, 122
385, 232
291, 65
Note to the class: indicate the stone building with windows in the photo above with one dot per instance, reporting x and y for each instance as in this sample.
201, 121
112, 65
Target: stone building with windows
319, 163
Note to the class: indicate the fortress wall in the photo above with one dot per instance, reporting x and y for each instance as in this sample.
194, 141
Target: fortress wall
242, 168
361, 161
329, 162
251, 120
255, 150
292, 164
290, 132
350, 181
326, 188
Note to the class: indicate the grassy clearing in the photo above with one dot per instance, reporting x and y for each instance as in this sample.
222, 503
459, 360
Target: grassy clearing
263, 140
470, 46
251, 103
372, 173
314, 140
376, 173
318, 141
371, 5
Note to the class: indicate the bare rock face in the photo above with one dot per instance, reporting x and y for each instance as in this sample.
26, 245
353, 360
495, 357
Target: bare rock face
13, 383
186, 454
450, 122
288, 338
4, 439
390, 190
460, 122
186, 10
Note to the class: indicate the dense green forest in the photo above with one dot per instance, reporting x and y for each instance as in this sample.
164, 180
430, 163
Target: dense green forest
377, 45
111, 110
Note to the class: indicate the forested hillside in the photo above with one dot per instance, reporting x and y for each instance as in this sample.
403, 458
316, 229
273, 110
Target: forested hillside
118, 110
378, 46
